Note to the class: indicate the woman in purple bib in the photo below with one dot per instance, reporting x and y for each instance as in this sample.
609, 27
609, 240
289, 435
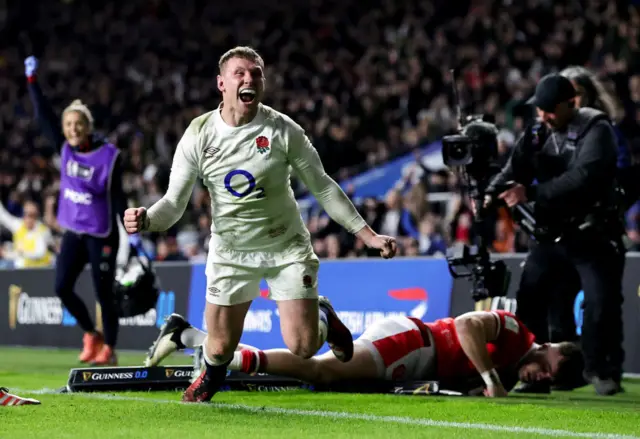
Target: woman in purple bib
90, 201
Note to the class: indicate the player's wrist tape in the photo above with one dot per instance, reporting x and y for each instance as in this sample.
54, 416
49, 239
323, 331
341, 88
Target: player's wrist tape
491, 378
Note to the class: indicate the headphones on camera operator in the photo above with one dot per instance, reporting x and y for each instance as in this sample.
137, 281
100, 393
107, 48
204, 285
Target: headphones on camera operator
136, 286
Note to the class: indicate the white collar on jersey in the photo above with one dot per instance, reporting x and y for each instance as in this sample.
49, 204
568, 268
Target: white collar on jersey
223, 126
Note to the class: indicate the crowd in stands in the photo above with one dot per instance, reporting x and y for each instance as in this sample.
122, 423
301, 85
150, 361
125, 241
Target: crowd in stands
369, 81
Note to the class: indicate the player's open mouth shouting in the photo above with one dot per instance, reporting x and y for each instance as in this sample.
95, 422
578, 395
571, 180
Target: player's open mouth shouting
248, 95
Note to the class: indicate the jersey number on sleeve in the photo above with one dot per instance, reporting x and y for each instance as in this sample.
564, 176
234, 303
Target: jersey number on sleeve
252, 184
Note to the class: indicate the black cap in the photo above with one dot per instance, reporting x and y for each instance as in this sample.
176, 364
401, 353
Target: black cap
552, 90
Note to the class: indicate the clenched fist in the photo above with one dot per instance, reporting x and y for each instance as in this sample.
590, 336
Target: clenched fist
135, 220
386, 244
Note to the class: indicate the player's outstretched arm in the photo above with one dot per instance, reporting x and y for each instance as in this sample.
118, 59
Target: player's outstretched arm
475, 330
306, 162
170, 208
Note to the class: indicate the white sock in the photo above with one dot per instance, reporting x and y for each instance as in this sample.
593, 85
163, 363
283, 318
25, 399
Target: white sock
236, 362
192, 337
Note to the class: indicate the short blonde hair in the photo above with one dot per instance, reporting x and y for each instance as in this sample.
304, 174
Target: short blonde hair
244, 52
80, 107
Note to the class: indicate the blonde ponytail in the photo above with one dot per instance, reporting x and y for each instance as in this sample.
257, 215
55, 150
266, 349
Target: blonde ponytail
78, 106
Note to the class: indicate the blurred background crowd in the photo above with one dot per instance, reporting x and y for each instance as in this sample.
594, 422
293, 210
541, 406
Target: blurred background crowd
368, 81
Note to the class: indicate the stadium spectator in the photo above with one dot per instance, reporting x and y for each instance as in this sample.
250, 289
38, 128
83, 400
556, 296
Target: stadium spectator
504, 241
32, 240
367, 80
168, 250
430, 241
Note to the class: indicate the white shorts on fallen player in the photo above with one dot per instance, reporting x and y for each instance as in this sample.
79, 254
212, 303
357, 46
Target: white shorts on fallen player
235, 280
399, 350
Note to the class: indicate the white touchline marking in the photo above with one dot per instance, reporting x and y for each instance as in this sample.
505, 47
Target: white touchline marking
343, 415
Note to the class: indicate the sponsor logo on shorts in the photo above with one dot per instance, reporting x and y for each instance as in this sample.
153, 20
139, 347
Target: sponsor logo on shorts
213, 291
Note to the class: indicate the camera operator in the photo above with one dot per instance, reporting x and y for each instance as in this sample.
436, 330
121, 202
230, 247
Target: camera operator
571, 154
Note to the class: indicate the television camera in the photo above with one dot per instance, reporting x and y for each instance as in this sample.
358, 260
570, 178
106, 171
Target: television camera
472, 155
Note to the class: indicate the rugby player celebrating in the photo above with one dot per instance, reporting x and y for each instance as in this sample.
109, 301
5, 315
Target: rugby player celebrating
244, 152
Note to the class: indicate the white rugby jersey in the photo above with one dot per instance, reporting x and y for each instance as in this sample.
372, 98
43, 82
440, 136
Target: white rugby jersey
247, 170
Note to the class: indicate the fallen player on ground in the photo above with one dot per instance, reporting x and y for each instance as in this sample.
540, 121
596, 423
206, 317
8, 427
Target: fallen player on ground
450, 350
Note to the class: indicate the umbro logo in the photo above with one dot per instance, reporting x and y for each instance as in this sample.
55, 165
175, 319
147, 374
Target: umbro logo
209, 151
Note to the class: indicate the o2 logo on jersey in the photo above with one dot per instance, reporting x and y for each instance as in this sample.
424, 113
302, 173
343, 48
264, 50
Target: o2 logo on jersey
252, 184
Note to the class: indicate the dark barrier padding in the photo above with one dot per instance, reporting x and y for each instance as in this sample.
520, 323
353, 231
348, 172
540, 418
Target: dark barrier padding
31, 314
461, 302
161, 378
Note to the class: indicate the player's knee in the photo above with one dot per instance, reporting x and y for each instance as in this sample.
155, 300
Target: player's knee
302, 342
303, 349
219, 350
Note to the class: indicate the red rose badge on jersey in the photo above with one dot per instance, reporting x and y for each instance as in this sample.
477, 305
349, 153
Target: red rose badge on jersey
263, 144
